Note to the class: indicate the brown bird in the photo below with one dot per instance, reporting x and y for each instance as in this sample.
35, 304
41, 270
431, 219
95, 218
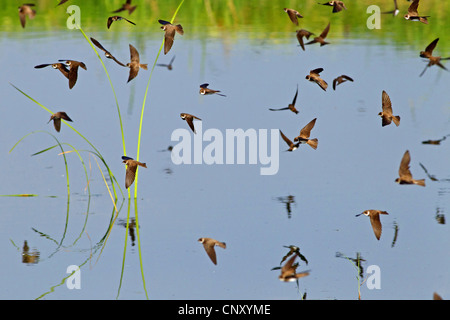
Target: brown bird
314, 77
435, 142
117, 18
204, 90
340, 80
169, 33
107, 53
303, 33
209, 245
73, 71
131, 169
292, 146
60, 66
291, 106
304, 135
126, 6
24, 11
289, 271
413, 15
168, 66
374, 216
321, 39
293, 15
56, 117
386, 113
428, 54
134, 64
189, 119
405, 176
337, 5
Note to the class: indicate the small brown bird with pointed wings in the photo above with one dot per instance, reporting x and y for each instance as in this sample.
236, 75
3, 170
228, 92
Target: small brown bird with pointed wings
314, 77
293, 15
107, 53
303, 33
189, 119
130, 173
405, 176
73, 71
134, 64
303, 137
58, 65
209, 245
321, 38
169, 33
291, 106
56, 117
343, 78
428, 54
126, 6
289, 271
374, 216
117, 18
386, 114
24, 11
204, 90
337, 5
413, 15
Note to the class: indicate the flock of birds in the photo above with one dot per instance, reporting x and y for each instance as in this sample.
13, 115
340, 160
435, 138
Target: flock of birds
69, 68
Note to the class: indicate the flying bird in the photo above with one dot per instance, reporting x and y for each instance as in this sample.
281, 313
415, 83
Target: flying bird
130, 173
405, 176
386, 114
303, 137
340, 80
107, 53
73, 70
189, 119
209, 245
293, 15
321, 38
314, 77
337, 5
59, 66
24, 11
303, 33
126, 6
117, 18
413, 15
289, 271
169, 33
291, 106
56, 117
204, 90
168, 66
428, 54
374, 216
134, 64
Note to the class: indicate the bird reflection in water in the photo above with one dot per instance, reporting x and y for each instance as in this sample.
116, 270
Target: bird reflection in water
29, 257
394, 240
131, 228
357, 261
288, 201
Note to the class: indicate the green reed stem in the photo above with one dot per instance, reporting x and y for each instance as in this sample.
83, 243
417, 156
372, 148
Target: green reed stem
112, 87
145, 99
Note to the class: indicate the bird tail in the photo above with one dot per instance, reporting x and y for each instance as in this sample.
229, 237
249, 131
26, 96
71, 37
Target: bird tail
144, 66
396, 120
420, 182
423, 20
313, 143
324, 43
142, 164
